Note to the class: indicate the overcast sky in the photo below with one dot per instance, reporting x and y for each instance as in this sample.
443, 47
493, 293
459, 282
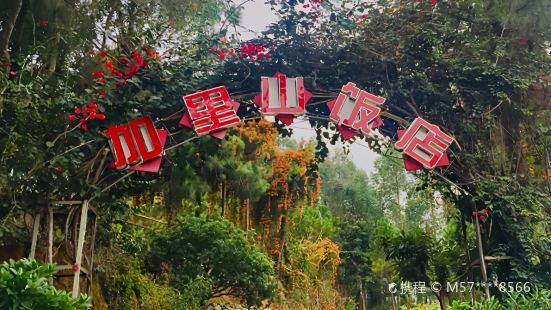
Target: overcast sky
256, 16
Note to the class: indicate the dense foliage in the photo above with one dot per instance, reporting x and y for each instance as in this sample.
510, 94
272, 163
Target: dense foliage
260, 216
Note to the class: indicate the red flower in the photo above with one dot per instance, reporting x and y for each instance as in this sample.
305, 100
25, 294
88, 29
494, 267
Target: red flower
57, 168
72, 117
82, 120
102, 53
481, 217
151, 53
306, 6
222, 54
75, 267
522, 41
123, 61
92, 105
84, 127
108, 65
138, 58
260, 55
433, 2
133, 70
13, 73
101, 81
92, 115
77, 110
259, 48
116, 72
100, 116
42, 22
485, 211
212, 50
231, 51
98, 74
474, 213
268, 55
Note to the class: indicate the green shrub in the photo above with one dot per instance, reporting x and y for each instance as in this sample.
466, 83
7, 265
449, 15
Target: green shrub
214, 249
126, 286
538, 299
24, 284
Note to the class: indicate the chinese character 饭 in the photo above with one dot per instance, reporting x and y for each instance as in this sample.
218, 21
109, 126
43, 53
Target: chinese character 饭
357, 109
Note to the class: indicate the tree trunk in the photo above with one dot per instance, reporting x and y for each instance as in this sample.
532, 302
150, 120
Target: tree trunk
9, 12
223, 203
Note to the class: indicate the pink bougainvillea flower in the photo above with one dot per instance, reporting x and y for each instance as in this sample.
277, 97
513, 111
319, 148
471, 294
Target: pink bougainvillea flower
13, 73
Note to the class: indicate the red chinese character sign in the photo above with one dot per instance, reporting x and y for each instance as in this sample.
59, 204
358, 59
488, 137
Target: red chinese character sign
282, 97
424, 145
137, 144
210, 112
355, 111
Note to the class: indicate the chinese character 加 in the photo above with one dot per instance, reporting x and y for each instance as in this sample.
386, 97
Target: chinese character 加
425, 143
357, 109
134, 143
210, 110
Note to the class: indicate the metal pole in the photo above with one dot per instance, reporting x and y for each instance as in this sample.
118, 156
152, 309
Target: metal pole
482, 262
